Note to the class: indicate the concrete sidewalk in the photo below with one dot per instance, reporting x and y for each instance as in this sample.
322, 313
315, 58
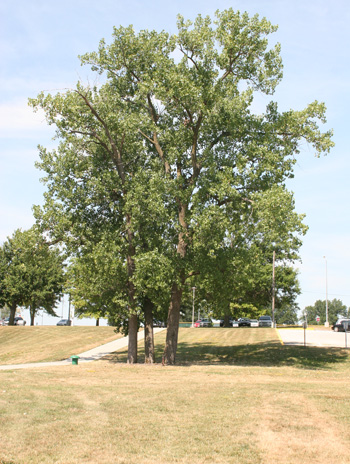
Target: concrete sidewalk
314, 337
88, 356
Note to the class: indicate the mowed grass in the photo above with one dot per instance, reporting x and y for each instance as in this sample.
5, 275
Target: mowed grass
236, 397
241, 347
20, 344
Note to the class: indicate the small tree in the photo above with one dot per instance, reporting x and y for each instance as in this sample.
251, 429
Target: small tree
335, 308
31, 273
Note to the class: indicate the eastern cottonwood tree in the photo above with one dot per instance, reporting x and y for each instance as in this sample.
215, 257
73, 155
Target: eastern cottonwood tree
177, 107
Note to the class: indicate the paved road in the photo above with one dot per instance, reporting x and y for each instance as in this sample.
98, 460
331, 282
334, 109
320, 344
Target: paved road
87, 356
325, 338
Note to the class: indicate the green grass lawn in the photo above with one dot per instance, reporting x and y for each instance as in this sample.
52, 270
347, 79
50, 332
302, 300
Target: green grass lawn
21, 344
241, 347
235, 397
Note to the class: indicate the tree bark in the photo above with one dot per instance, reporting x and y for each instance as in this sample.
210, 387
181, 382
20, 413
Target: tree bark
169, 356
12, 314
133, 326
32, 314
149, 336
226, 320
132, 345
97, 321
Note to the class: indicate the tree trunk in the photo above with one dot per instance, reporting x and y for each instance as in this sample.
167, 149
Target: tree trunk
169, 356
12, 314
32, 314
149, 337
133, 326
97, 321
176, 293
132, 345
226, 320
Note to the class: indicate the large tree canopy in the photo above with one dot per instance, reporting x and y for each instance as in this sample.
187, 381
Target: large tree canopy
173, 120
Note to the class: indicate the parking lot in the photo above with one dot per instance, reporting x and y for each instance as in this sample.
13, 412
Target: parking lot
313, 337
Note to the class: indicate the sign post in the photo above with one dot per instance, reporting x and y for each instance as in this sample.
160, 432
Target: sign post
345, 325
305, 326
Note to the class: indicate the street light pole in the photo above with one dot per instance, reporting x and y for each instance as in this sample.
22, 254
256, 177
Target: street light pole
193, 294
326, 323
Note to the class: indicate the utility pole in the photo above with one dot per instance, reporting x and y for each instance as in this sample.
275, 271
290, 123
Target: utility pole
273, 288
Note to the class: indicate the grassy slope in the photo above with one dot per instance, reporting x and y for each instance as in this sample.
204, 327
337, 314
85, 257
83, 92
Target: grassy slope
51, 343
236, 397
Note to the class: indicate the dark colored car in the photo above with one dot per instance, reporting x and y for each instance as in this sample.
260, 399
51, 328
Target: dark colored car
339, 326
64, 322
243, 322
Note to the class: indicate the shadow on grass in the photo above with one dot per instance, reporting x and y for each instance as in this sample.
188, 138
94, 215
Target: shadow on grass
266, 353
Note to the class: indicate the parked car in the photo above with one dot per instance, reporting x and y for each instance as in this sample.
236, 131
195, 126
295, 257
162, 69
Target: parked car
206, 323
243, 322
18, 320
64, 322
159, 324
203, 323
254, 323
339, 325
265, 321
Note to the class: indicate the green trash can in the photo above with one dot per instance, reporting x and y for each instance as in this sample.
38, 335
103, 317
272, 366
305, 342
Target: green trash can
74, 359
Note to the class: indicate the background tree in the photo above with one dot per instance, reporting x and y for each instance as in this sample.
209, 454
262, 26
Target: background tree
31, 273
287, 314
335, 308
4, 312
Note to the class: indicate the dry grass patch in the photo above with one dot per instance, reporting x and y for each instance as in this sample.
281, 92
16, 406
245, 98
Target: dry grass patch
104, 413
20, 344
237, 397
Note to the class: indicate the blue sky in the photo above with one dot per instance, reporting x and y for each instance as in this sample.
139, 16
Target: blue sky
39, 46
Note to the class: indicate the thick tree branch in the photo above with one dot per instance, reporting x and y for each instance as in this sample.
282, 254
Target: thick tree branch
155, 141
116, 155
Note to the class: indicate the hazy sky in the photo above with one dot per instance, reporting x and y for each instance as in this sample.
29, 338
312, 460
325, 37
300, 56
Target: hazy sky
39, 46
